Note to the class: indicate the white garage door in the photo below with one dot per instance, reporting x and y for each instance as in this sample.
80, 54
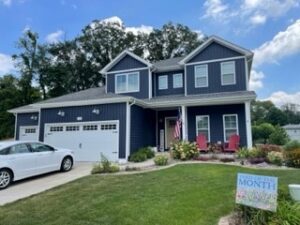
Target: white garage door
28, 133
87, 140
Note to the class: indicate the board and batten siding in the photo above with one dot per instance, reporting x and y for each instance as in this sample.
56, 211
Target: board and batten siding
114, 111
170, 90
142, 133
214, 78
214, 51
216, 121
24, 119
126, 63
144, 84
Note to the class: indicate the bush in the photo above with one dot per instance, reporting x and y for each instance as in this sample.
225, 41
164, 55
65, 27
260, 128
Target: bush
292, 158
257, 153
275, 158
292, 145
243, 153
279, 136
184, 150
142, 155
105, 166
161, 160
270, 148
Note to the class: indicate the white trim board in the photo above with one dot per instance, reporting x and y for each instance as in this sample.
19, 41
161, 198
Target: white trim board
215, 60
127, 70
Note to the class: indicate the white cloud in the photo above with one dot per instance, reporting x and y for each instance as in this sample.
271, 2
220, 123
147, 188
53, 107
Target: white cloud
6, 64
113, 19
256, 80
141, 29
283, 44
6, 2
249, 12
280, 98
55, 36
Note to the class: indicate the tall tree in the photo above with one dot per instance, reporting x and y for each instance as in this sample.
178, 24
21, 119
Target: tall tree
27, 62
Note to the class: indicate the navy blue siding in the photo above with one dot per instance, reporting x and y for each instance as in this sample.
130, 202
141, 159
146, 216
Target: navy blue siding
24, 119
144, 85
142, 131
214, 78
216, 121
115, 111
170, 90
161, 115
214, 51
128, 63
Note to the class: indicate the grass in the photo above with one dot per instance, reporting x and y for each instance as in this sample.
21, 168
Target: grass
184, 194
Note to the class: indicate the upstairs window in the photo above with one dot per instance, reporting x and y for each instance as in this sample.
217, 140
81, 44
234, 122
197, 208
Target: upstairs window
228, 73
201, 76
163, 82
129, 82
177, 80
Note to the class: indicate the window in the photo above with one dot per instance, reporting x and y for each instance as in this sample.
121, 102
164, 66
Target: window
202, 126
56, 129
38, 147
30, 130
201, 76
72, 128
177, 80
108, 126
4, 151
90, 127
230, 123
228, 73
18, 149
129, 82
163, 82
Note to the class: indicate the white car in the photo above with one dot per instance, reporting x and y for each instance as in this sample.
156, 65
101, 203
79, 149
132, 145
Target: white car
22, 159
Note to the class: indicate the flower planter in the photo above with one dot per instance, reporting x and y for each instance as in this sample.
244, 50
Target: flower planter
295, 191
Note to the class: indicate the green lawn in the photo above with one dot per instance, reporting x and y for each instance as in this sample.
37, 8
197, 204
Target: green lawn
184, 194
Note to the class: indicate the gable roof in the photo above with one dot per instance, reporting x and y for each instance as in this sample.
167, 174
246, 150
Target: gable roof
220, 41
121, 56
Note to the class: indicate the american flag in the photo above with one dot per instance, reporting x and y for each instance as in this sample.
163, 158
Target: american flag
177, 130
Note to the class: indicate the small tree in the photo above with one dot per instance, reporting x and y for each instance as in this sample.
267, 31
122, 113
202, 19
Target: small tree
263, 131
279, 136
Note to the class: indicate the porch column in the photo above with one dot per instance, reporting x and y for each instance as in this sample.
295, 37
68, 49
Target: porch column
184, 123
248, 124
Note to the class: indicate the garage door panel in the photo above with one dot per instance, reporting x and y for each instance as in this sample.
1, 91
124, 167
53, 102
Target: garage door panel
87, 140
28, 133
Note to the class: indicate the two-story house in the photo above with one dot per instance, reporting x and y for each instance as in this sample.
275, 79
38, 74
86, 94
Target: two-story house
141, 100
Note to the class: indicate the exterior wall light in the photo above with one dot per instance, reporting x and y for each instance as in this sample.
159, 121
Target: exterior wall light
96, 111
33, 117
61, 113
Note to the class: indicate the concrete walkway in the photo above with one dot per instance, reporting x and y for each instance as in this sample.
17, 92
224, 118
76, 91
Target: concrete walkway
35, 185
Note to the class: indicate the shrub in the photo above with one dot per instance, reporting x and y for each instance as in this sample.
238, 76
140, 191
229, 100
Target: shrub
138, 157
225, 160
184, 150
161, 160
275, 158
243, 153
292, 145
105, 166
292, 158
148, 151
270, 148
257, 153
279, 136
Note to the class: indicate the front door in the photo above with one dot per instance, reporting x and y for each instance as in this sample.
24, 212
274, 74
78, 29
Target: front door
169, 127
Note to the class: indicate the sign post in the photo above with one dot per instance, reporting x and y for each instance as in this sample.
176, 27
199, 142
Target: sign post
257, 191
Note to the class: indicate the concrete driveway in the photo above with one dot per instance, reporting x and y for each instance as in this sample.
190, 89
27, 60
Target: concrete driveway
35, 185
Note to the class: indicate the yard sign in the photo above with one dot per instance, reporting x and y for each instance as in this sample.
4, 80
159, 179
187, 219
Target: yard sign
257, 191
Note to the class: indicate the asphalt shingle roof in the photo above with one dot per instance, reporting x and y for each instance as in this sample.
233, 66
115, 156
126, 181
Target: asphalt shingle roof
168, 64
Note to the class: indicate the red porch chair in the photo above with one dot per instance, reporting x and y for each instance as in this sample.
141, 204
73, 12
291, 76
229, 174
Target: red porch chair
202, 143
234, 143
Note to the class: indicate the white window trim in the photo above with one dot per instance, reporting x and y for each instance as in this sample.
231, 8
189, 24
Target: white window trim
237, 125
127, 91
181, 77
234, 73
160, 77
197, 118
206, 75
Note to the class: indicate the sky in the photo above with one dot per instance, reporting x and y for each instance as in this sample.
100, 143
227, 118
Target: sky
270, 28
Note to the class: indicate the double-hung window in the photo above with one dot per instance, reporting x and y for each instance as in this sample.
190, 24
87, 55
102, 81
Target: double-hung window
177, 80
201, 76
127, 82
228, 73
230, 123
202, 126
163, 82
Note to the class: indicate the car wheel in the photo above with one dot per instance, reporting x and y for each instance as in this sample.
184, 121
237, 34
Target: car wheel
66, 164
5, 178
